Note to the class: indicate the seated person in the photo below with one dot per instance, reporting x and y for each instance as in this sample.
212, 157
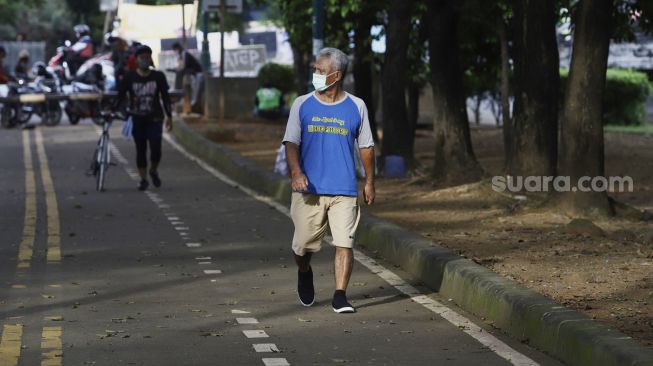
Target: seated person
21, 71
269, 103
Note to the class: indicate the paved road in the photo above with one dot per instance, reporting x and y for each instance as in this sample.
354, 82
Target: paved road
195, 273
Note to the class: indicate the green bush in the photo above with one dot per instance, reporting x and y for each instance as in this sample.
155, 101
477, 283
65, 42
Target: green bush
624, 98
278, 76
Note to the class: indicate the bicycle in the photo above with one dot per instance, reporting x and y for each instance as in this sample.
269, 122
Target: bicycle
102, 155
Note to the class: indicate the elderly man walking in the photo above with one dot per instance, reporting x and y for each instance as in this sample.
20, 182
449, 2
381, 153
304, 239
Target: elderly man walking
324, 129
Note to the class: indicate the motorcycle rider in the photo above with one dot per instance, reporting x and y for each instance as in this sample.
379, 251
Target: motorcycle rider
119, 55
21, 70
82, 50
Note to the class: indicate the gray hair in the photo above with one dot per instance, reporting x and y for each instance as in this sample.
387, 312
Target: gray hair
338, 59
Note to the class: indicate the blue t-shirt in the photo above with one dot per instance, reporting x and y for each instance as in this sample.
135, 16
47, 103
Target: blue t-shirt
326, 135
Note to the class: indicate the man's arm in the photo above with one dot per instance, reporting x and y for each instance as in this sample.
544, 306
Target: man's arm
367, 158
299, 180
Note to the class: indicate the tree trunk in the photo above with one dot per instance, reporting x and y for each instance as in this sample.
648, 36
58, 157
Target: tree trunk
396, 130
582, 129
301, 65
534, 138
413, 114
454, 157
363, 65
478, 100
506, 114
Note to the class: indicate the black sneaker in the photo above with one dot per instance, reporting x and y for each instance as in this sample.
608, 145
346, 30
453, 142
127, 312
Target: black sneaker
143, 185
155, 178
305, 287
340, 303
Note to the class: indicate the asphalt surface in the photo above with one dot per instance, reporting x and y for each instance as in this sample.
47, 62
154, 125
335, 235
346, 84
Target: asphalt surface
197, 272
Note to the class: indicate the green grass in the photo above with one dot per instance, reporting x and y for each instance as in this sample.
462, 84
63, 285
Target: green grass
640, 129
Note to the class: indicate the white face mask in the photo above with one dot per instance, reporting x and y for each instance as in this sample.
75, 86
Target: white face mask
319, 82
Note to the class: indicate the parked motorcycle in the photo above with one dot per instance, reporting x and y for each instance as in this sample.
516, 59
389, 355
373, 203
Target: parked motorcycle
85, 95
15, 113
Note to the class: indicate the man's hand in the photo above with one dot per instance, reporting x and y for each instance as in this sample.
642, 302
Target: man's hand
368, 193
168, 124
299, 182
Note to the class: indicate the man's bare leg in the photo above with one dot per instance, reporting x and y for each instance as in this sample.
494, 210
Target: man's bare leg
344, 262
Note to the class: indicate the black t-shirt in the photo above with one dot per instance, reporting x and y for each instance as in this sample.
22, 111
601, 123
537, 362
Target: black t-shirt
146, 94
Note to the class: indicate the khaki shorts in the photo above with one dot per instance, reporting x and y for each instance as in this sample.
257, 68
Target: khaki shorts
311, 213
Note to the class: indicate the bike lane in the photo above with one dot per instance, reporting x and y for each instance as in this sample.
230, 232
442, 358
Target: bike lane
200, 273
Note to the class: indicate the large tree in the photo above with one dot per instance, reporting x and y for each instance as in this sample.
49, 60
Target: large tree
532, 146
581, 151
397, 138
295, 17
364, 60
455, 161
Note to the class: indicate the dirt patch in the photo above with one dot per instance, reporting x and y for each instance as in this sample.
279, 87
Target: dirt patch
603, 268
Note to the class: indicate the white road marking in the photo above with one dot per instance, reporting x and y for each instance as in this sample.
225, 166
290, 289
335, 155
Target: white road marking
202, 258
173, 218
212, 271
247, 320
483, 337
204, 263
448, 314
255, 333
275, 362
119, 156
265, 347
236, 311
182, 228
193, 245
164, 206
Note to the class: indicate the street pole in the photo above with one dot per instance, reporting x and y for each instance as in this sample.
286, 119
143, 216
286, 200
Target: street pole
223, 12
183, 24
318, 31
205, 57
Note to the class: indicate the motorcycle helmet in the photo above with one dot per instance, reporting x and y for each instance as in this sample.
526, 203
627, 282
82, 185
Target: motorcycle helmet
39, 68
23, 54
81, 30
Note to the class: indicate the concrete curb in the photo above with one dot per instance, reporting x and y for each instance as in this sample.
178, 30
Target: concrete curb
526, 315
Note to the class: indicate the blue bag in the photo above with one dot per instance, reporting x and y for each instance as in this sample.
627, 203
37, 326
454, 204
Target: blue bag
127, 128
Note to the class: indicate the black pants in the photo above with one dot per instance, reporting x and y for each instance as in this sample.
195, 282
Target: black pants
141, 151
147, 132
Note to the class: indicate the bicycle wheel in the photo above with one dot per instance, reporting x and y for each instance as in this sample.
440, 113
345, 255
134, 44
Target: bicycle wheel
103, 163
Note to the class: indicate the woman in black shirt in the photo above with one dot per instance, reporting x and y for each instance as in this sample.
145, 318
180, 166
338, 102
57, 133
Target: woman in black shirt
148, 90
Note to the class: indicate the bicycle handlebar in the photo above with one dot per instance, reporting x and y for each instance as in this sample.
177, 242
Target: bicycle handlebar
108, 115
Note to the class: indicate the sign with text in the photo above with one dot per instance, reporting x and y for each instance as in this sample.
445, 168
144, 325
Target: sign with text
244, 61
108, 5
233, 6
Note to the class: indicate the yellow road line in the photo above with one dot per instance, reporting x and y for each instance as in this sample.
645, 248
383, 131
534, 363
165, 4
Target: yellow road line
10, 344
26, 247
51, 346
52, 208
